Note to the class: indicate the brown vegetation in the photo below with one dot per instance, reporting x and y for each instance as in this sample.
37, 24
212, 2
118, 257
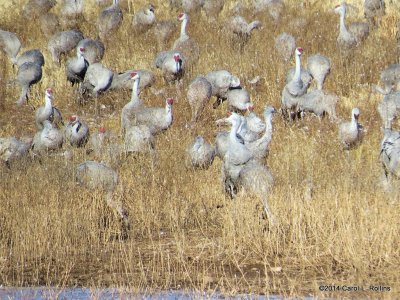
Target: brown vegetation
335, 223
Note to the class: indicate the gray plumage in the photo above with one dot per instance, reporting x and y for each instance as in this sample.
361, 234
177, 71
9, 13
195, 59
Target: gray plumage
156, 118
200, 154
109, 20
273, 7
350, 35
240, 171
77, 67
76, 132
36, 8
10, 44
213, 8
139, 139
97, 176
187, 46
135, 103
72, 8
12, 149
33, 55
63, 42
97, 79
390, 77
48, 139
198, 94
318, 102
296, 86
94, 50
143, 19
389, 108
172, 65
240, 29
390, 153
49, 24
260, 147
48, 112
28, 74
238, 99
285, 45
253, 122
373, 10
123, 80
319, 67
221, 81
350, 133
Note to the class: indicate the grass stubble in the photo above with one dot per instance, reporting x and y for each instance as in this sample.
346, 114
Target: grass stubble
185, 233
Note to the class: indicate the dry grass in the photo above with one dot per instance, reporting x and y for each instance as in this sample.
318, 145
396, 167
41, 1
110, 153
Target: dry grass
184, 232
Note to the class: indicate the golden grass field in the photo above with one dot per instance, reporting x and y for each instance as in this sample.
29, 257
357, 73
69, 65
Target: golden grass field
185, 232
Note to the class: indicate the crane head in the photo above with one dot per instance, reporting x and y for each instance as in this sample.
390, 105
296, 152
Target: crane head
299, 51
182, 16
170, 101
134, 75
102, 130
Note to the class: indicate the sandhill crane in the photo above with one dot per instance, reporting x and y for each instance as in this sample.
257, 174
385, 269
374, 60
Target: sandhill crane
373, 10
12, 149
121, 80
260, 147
47, 139
200, 154
241, 171
186, 45
171, 63
253, 122
77, 67
351, 35
49, 24
212, 8
97, 79
97, 176
293, 89
28, 74
319, 67
135, 103
236, 156
238, 99
105, 145
221, 81
156, 118
256, 179
10, 44
36, 8
33, 55
138, 139
390, 77
389, 107
109, 19
163, 31
390, 154
319, 102
48, 111
94, 50
240, 29
274, 7
285, 44
245, 134
350, 133
76, 132
72, 8
198, 94
143, 19
63, 42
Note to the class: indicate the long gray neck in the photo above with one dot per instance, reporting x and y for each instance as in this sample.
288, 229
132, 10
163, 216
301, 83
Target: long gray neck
183, 27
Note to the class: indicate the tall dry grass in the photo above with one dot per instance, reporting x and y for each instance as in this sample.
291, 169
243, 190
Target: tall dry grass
185, 233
